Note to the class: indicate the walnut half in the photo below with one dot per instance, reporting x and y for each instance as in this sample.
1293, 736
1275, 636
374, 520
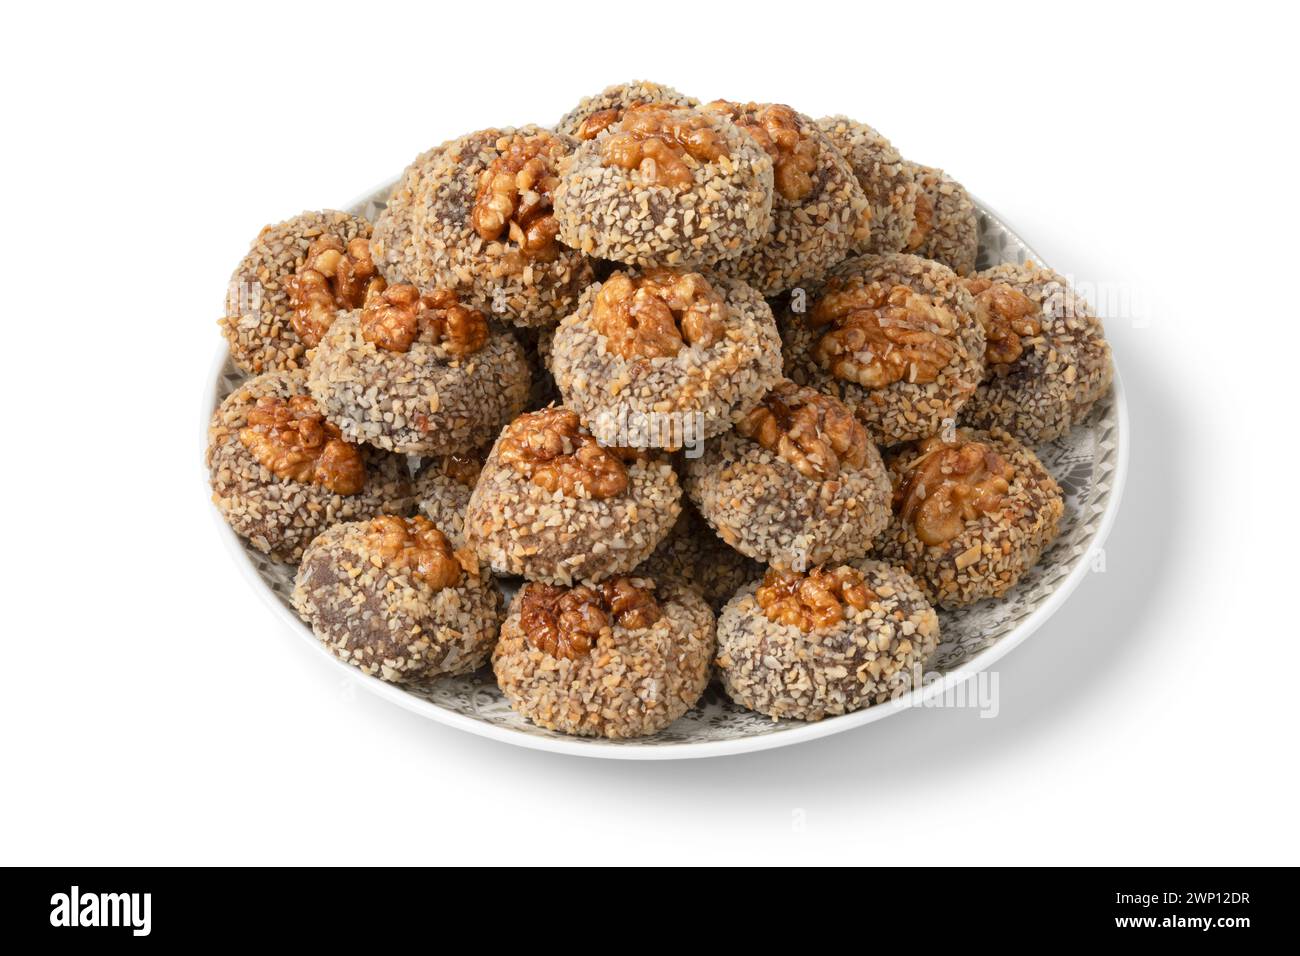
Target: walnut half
514, 195
655, 314
395, 317
880, 334
819, 598
552, 449
1008, 315
949, 484
659, 142
816, 433
782, 136
566, 622
295, 442
415, 545
331, 278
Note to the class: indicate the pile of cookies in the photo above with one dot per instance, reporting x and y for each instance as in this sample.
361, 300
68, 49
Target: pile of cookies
711, 390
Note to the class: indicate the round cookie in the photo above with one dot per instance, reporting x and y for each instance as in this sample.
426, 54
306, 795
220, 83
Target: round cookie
419, 374
971, 514
665, 359
895, 337
281, 474
797, 483
621, 659
484, 227
818, 209
677, 188
832, 641
696, 557
390, 597
946, 225
887, 180
275, 310
554, 506
1046, 358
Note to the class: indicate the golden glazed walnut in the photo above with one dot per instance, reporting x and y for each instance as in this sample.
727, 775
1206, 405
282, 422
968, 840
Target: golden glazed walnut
462, 469
552, 450
881, 334
950, 484
1008, 315
654, 315
395, 317
514, 195
776, 128
565, 622
819, 598
657, 142
415, 545
814, 432
601, 120
331, 278
293, 440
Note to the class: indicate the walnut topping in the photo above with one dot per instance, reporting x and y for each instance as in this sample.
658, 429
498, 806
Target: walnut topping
293, 440
514, 195
551, 448
923, 223
819, 598
463, 469
777, 129
655, 314
415, 545
566, 622
657, 142
601, 120
881, 334
816, 433
948, 484
330, 278
395, 317
1008, 315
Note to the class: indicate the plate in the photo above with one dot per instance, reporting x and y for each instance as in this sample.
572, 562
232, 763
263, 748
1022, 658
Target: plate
1090, 464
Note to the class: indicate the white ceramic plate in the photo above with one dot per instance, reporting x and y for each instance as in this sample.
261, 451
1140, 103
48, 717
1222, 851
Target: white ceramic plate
1090, 463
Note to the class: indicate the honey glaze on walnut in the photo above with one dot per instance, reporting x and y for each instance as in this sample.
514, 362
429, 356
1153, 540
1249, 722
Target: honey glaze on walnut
655, 314
514, 195
778, 131
949, 484
878, 334
601, 120
295, 442
395, 317
815, 433
817, 598
1008, 316
659, 143
414, 545
552, 449
332, 277
566, 622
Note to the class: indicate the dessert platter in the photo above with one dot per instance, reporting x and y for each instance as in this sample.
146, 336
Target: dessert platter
672, 429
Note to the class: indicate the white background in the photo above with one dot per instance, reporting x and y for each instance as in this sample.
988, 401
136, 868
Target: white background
151, 709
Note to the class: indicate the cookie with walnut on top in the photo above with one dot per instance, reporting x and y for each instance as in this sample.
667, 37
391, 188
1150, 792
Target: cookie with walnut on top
391, 597
895, 337
418, 373
553, 505
973, 511
798, 482
623, 658
295, 280
281, 472
832, 640
663, 352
